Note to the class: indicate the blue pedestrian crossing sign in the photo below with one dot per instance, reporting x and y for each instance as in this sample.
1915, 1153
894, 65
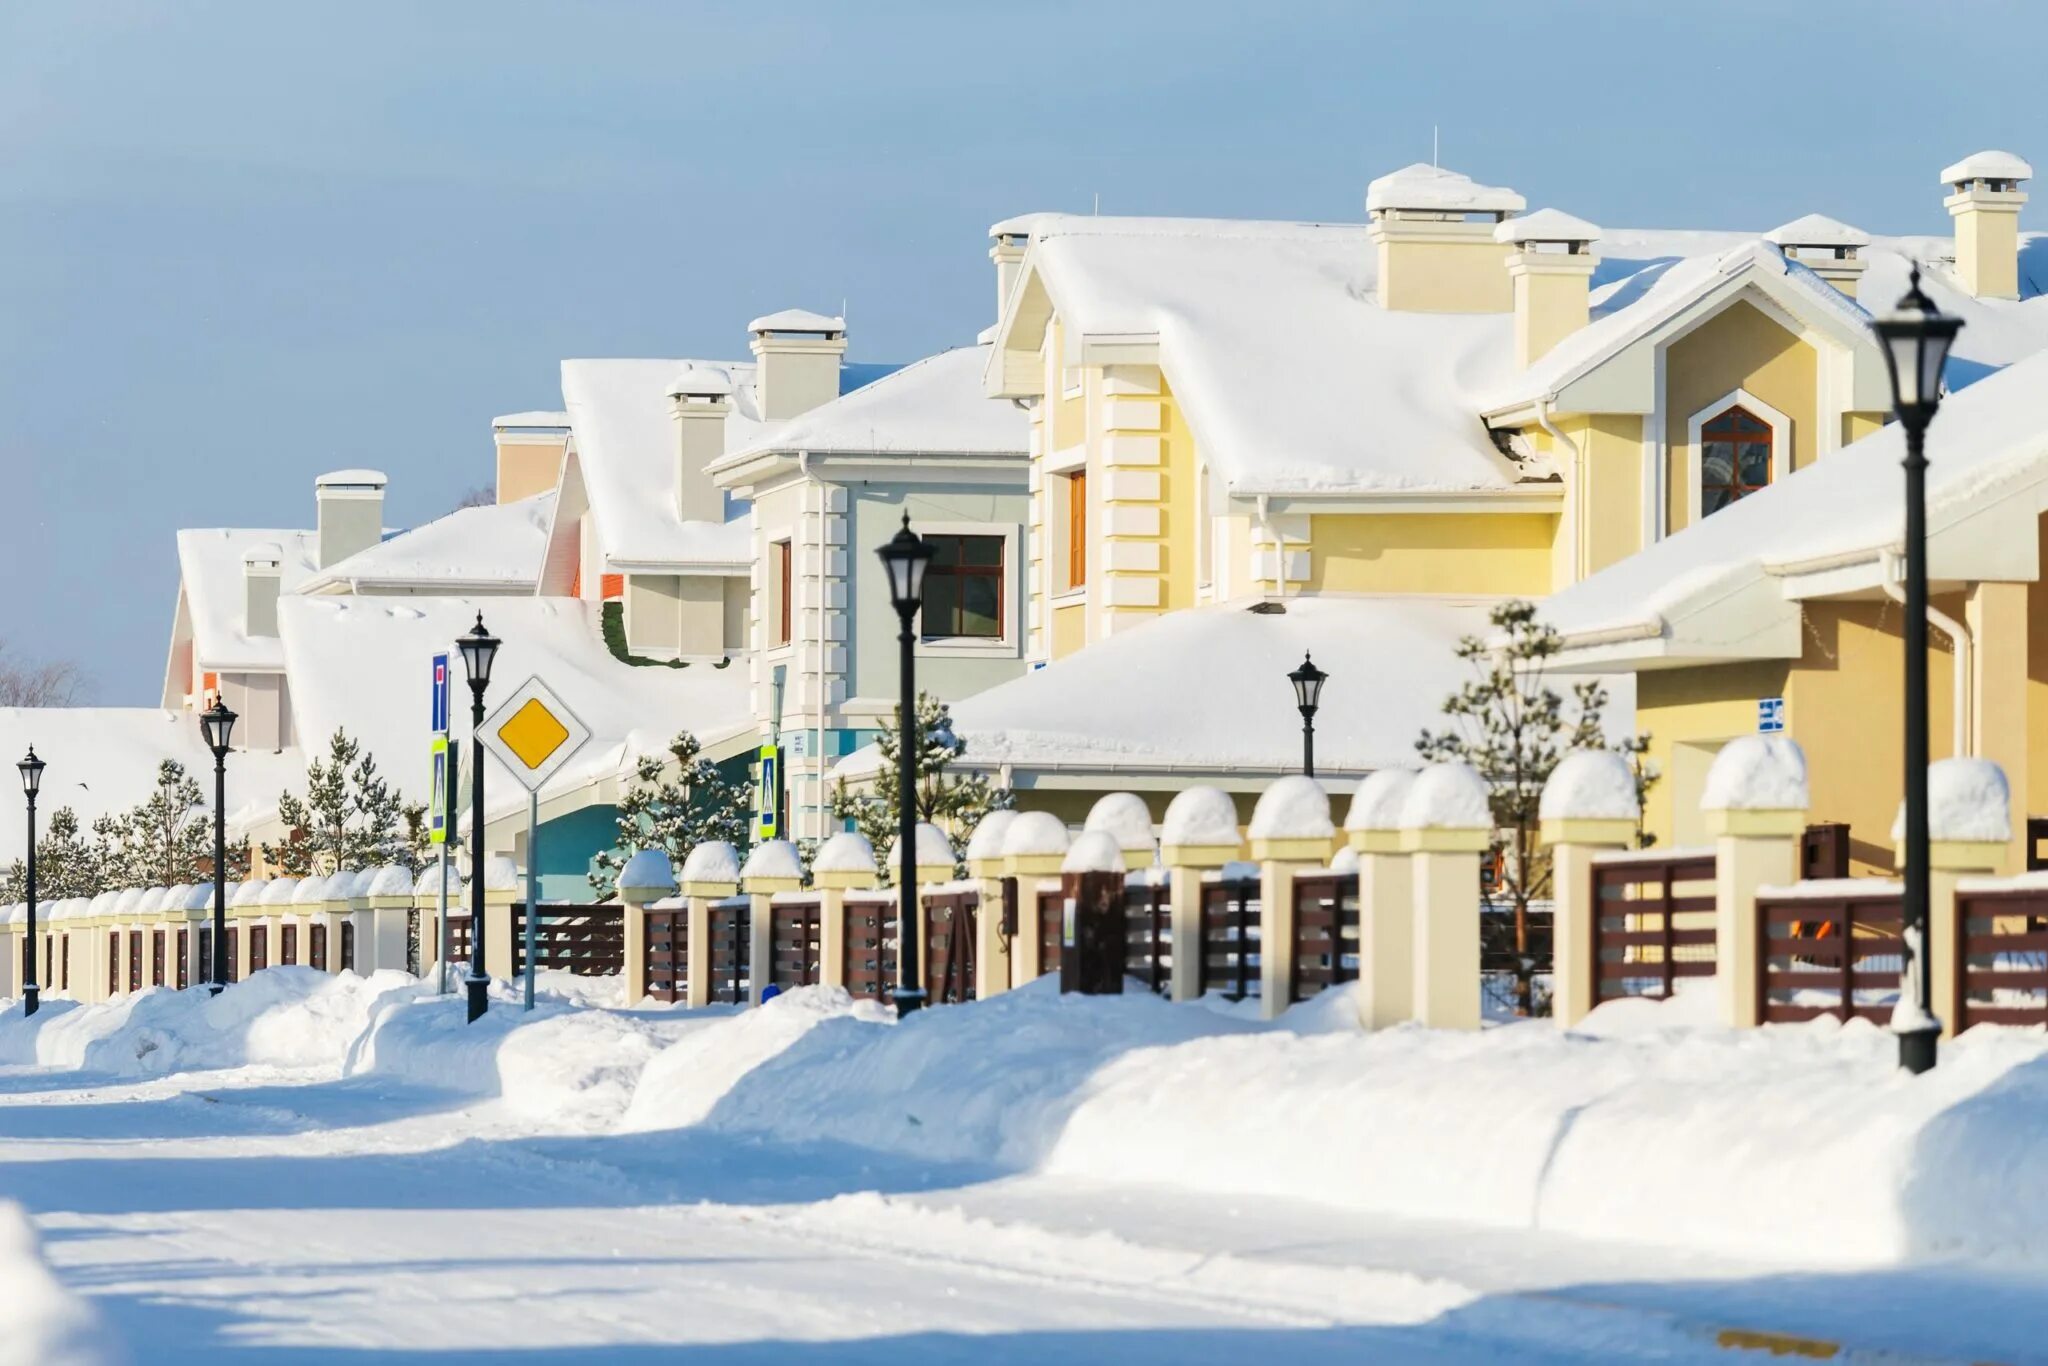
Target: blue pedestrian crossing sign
441, 811
768, 793
1770, 715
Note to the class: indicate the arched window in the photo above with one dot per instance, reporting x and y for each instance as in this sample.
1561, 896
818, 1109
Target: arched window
1735, 457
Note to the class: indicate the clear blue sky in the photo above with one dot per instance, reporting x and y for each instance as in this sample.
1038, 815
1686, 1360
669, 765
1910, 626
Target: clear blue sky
242, 243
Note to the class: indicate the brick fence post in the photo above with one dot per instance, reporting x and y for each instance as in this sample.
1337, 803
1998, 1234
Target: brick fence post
711, 873
1755, 803
1386, 899
1446, 824
984, 857
647, 878
1290, 831
1588, 807
843, 863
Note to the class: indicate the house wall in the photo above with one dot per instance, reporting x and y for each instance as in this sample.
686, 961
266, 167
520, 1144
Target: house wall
527, 464
262, 701
1478, 553
683, 616
1738, 348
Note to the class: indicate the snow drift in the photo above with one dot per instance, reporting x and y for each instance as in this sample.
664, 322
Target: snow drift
45, 1324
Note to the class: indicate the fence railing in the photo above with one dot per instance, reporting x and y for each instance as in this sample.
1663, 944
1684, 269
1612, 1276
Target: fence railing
1229, 961
1325, 932
1834, 948
1148, 934
2002, 956
589, 941
949, 966
1653, 923
795, 941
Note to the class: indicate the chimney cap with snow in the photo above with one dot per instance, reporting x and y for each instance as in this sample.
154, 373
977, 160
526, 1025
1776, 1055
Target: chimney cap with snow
700, 381
1817, 230
1546, 225
1432, 189
1018, 226
1992, 165
351, 479
796, 320
266, 555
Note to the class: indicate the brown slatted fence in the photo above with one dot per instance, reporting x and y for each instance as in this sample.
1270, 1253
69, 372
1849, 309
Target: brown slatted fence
1050, 903
1832, 950
288, 942
1325, 932
731, 919
2002, 948
316, 945
589, 941
348, 945
796, 941
135, 960
183, 964
668, 953
113, 961
458, 937
1229, 960
949, 946
870, 968
157, 948
259, 947
1148, 932
1653, 923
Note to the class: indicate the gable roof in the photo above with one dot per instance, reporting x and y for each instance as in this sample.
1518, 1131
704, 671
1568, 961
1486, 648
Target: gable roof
210, 570
497, 546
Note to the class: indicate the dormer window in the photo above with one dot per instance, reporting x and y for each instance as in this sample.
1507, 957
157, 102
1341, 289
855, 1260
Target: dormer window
1737, 449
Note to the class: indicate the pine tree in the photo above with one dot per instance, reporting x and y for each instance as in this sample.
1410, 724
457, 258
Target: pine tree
349, 818
66, 863
677, 801
954, 801
1512, 727
168, 839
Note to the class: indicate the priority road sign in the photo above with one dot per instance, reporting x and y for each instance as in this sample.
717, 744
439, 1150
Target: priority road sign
533, 733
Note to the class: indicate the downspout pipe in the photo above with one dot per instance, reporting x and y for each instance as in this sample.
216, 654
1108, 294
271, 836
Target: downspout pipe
1966, 649
1574, 495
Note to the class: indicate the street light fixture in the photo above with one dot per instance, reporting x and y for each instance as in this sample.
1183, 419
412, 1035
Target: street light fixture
217, 724
479, 650
1915, 337
31, 783
1308, 683
906, 557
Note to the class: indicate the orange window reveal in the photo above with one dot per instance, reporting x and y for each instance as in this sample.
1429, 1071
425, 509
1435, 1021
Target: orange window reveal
613, 586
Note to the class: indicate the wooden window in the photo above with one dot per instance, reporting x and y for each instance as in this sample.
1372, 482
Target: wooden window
1077, 529
963, 588
783, 584
1735, 458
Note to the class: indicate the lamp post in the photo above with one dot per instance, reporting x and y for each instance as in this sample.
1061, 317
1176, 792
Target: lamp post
217, 724
1308, 683
906, 557
1915, 337
479, 650
31, 783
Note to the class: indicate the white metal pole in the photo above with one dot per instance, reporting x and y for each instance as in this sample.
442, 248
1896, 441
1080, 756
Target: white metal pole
532, 891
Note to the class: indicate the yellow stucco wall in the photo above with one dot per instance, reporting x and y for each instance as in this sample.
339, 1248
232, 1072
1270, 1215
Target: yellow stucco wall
1069, 628
1446, 277
527, 468
1738, 348
1178, 463
1470, 552
1069, 415
1611, 493
1856, 426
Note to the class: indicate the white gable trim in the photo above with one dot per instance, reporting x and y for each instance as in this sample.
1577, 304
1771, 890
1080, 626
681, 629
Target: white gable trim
1781, 443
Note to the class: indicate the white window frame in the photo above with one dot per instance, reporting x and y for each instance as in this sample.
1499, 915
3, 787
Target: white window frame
1010, 644
1695, 464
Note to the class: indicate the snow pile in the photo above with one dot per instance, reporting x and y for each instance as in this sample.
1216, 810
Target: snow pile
648, 870
1447, 797
1967, 799
1345, 860
1033, 834
934, 850
987, 840
1294, 807
849, 852
1757, 773
1376, 805
1590, 784
1202, 816
1125, 817
712, 861
46, 1325
774, 859
1093, 851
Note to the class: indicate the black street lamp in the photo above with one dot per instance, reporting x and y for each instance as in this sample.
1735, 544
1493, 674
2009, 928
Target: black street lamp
906, 557
1915, 337
1308, 683
479, 650
31, 783
217, 724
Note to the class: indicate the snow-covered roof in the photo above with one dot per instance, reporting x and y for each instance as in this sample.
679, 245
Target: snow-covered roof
103, 761
210, 565
796, 320
936, 405
1018, 225
1817, 230
1092, 709
1987, 459
1546, 225
1437, 189
360, 663
1987, 165
536, 418
497, 546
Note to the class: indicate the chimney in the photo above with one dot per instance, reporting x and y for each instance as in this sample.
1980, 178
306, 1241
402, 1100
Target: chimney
699, 399
799, 354
1550, 269
1007, 241
1831, 250
1434, 231
1986, 207
351, 508
262, 573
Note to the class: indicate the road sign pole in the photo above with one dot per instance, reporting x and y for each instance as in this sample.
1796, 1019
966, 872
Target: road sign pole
532, 891
441, 954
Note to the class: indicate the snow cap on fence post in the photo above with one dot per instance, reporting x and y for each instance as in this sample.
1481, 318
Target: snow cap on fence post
1034, 845
1200, 830
1591, 800
1757, 786
1125, 818
1969, 816
388, 888
1373, 824
426, 889
846, 861
1292, 821
934, 855
772, 866
1093, 851
1447, 809
711, 869
647, 877
985, 846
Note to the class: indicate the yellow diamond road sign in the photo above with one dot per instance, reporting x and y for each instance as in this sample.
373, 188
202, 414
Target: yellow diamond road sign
533, 733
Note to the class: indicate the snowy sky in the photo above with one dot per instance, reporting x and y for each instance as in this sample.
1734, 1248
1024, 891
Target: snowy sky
242, 243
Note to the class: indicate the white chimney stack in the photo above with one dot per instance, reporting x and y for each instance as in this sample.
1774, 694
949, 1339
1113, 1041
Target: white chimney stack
351, 513
1434, 232
262, 575
799, 354
1550, 266
1831, 250
699, 398
1007, 241
1986, 207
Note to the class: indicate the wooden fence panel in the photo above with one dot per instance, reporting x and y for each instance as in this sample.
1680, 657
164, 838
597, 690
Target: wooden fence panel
1325, 933
870, 968
183, 964
668, 954
589, 941
949, 946
1148, 934
348, 945
2002, 948
1229, 960
1050, 906
316, 944
288, 942
1836, 954
731, 950
796, 943
1653, 923
458, 937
